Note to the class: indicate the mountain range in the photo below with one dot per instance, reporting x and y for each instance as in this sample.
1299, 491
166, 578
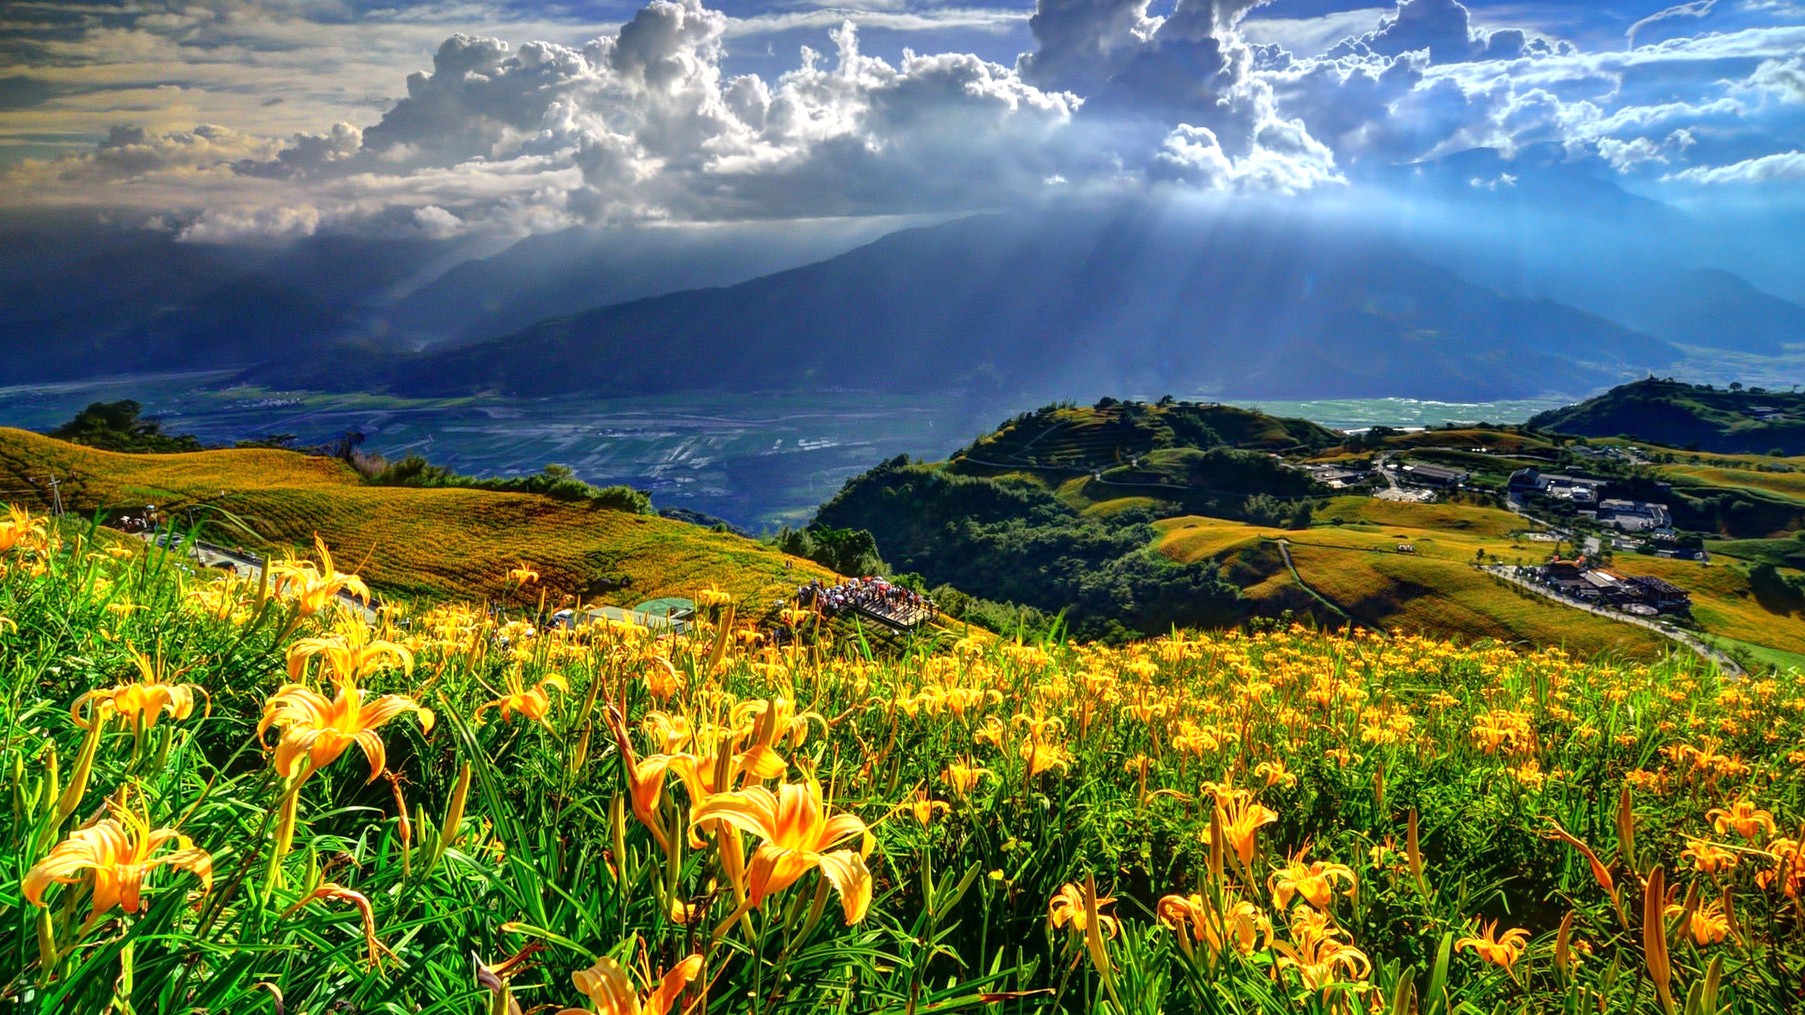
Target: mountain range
1060, 306
1474, 292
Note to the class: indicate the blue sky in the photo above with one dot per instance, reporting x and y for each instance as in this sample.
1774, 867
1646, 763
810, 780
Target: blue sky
265, 119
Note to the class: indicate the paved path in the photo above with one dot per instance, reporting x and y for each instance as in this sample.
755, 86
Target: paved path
1723, 661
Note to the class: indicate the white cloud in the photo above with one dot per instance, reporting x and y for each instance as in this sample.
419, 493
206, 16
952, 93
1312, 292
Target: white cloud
1781, 167
646, 121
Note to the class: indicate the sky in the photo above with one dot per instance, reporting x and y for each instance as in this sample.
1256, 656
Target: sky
263, 120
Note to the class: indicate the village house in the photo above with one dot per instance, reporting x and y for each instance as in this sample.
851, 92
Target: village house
1634, 515
1638, 594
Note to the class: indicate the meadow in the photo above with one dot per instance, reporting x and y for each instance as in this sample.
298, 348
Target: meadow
441, 543
225, 798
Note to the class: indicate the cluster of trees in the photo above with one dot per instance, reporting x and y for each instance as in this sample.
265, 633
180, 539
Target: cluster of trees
555, 481
845, 551
121, 426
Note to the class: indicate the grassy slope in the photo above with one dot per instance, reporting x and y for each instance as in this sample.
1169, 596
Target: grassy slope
414, 541
1357, 565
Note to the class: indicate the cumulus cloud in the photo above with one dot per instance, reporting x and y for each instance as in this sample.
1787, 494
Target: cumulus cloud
652, 120
1781, 167
1444, 29
262, 224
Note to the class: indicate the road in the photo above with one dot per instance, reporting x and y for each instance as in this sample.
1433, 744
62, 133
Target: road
1705, 651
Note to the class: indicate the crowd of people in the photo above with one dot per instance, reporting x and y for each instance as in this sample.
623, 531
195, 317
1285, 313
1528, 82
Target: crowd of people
886, 600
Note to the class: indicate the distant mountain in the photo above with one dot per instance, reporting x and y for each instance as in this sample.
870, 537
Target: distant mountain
82, 299
1719, 310
1065, 304
555, 274
1677, 414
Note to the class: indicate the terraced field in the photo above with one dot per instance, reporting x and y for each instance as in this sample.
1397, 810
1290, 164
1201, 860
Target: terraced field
428, 542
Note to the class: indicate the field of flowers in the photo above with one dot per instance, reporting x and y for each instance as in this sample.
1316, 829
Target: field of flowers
222, 797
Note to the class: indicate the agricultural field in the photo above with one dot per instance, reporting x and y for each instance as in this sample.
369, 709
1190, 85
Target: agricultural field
227, 801
1351, 558
422, 542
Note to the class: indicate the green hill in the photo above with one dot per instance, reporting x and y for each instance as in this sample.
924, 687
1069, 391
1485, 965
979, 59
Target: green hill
1054, 508
436, 543
1734, 420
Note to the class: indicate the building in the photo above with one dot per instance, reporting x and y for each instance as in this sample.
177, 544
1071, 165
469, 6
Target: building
1636, 594
1634, 515
1578, 490
1432, 475
1663, 596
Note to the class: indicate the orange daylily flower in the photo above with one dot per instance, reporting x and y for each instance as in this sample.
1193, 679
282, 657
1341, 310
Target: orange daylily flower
117, 854
798, 834
1502, 951
319, 729
1315, 881
1241, 819
333, 892
611, 992
1193, 918
1742, 817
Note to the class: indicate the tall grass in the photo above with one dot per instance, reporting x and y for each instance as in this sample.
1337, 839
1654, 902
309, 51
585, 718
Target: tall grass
1223, 822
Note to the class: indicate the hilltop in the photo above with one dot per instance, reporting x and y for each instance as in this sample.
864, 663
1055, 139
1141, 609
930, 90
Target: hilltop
1732, 420
437, 543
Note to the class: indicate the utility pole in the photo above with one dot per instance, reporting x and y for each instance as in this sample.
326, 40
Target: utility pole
56, 493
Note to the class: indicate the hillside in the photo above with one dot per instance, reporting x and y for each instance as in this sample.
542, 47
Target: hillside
427, 542
1053, 508
1128, 300
1680, 415
1350, 558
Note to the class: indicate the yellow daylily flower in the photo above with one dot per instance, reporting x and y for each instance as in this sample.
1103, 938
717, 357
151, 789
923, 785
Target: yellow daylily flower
962, 779
352, 654
798, 834
611, 992
535, 702
522, 575
142, 700
320, 728
116, 854
19, 530
312, 587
